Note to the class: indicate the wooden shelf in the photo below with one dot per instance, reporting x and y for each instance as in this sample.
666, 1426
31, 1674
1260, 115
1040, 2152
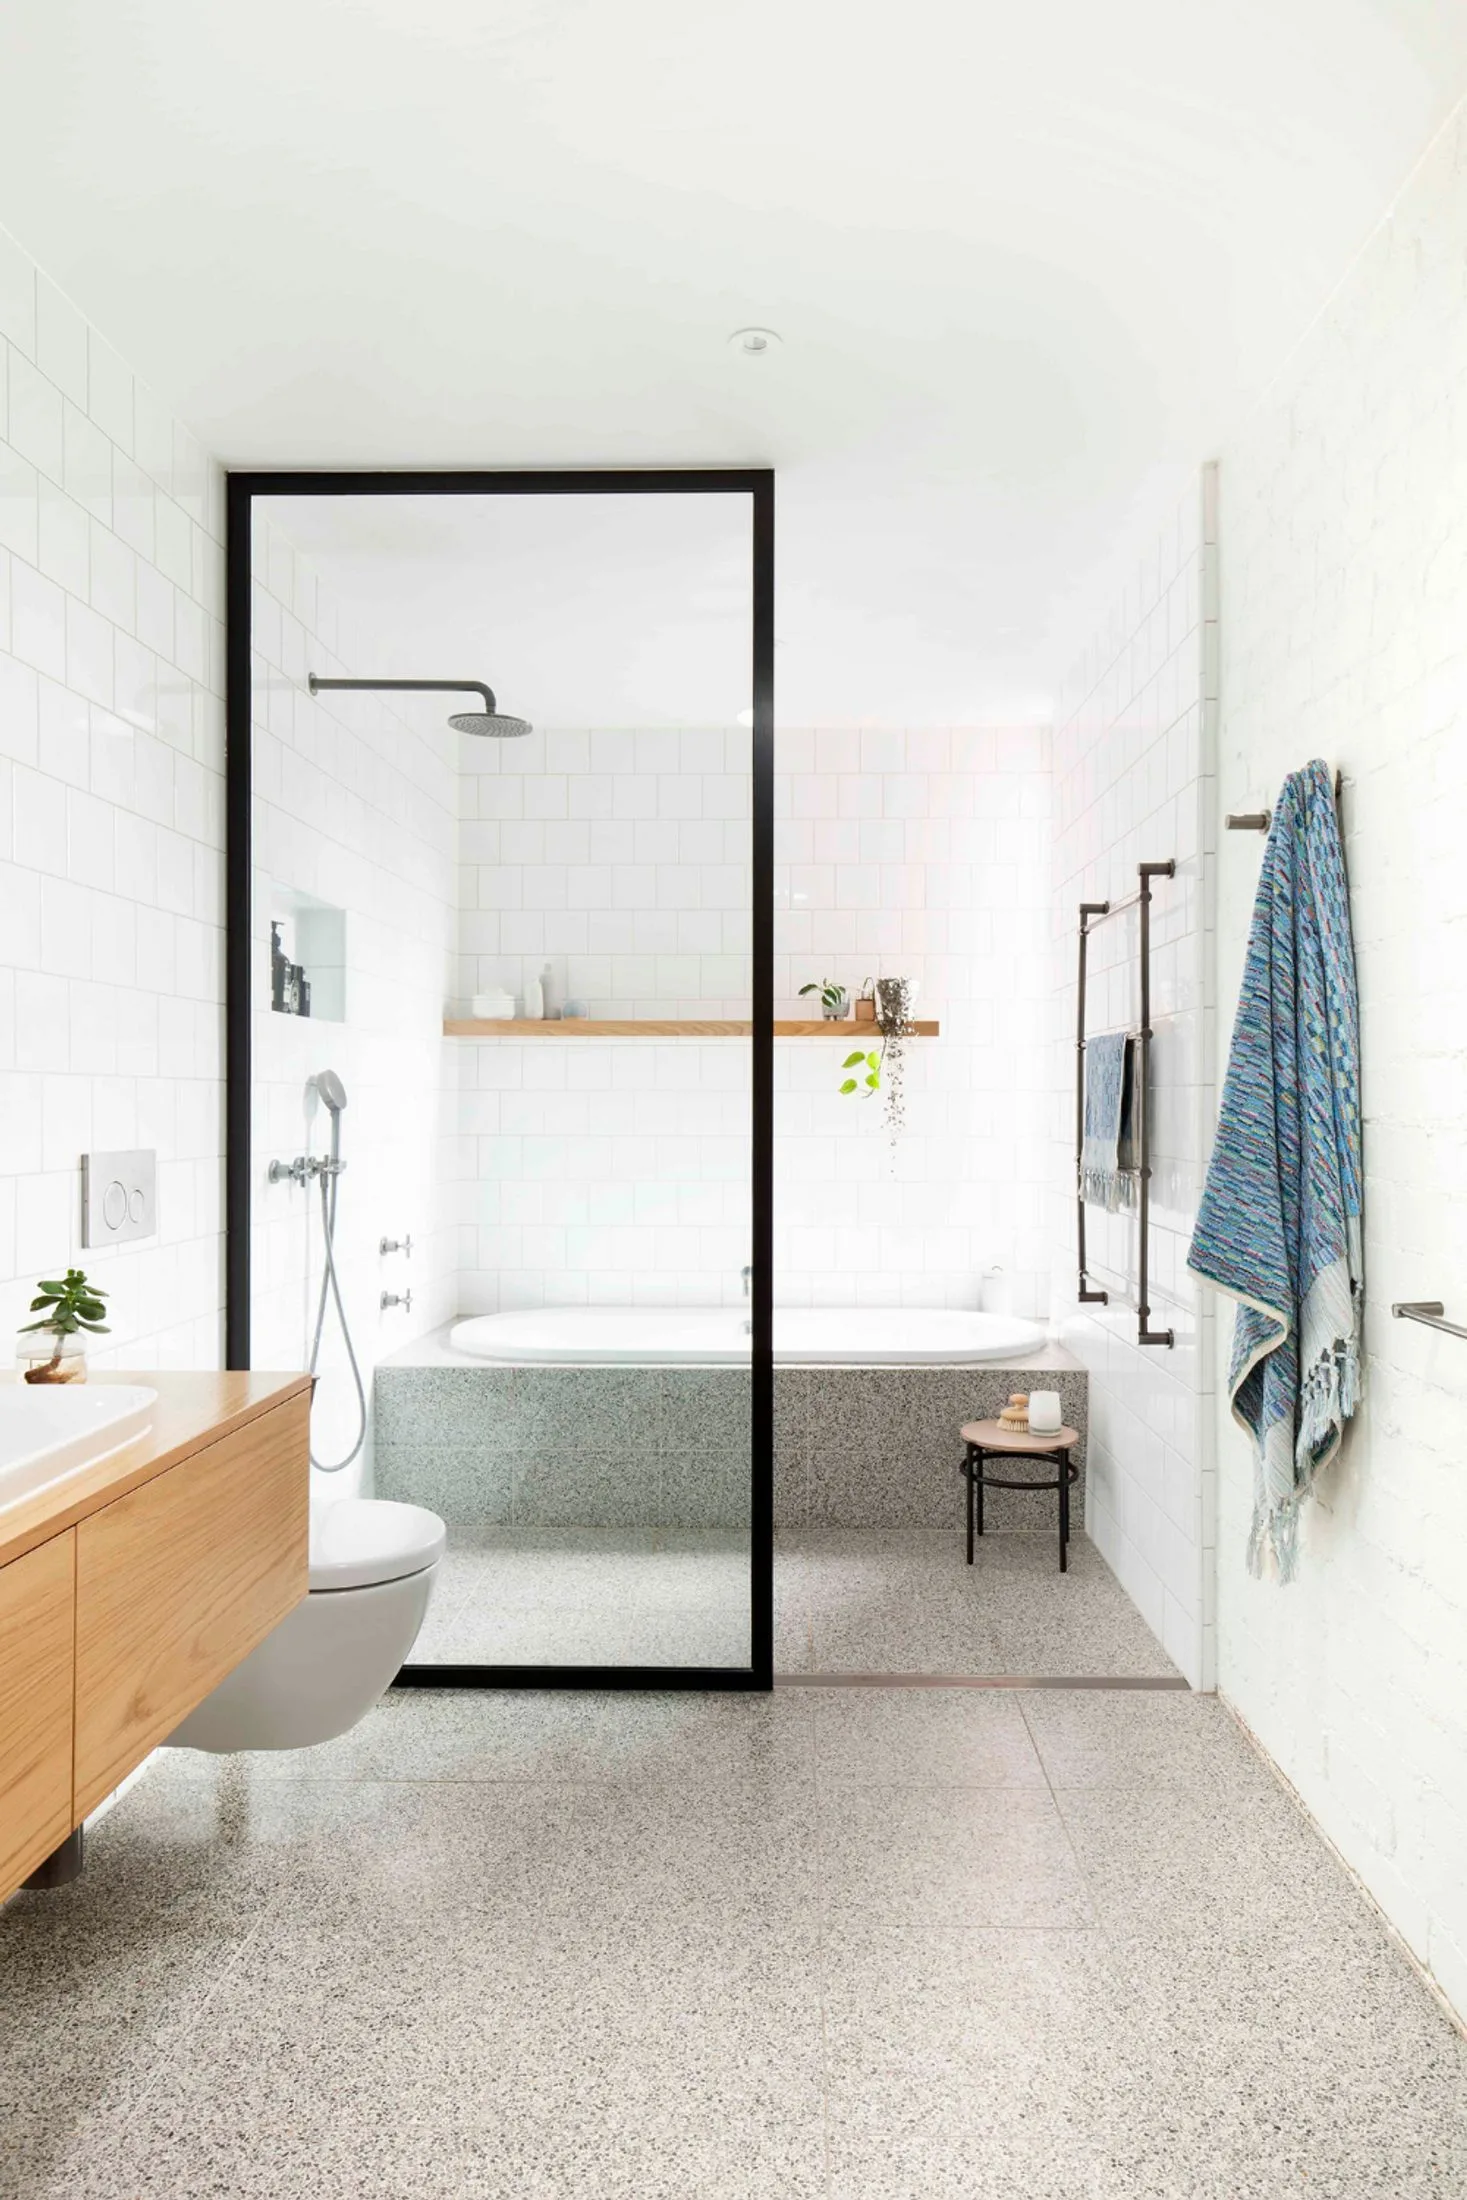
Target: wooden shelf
590, 1027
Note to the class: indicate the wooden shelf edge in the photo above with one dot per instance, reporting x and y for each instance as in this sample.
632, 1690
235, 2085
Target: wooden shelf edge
590, 1027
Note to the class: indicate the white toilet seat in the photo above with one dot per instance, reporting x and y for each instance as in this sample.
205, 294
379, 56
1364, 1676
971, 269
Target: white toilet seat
359, 1541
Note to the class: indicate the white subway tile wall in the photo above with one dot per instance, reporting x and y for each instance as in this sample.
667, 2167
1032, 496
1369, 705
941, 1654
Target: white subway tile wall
616, 1171
529, 1173
356, 806
111, 825
1134, 781
1345, 515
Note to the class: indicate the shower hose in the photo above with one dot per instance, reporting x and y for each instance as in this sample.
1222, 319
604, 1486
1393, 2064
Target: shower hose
330, 1286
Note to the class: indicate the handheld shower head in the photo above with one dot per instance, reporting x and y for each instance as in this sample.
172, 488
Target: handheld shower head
331, 1090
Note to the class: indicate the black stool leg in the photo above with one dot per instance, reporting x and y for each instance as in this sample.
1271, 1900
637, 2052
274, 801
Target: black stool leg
979, 1461
1064, 1498
968, 1478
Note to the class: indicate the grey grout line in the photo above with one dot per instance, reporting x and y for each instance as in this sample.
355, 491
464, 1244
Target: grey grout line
982, 1680
1081, 1875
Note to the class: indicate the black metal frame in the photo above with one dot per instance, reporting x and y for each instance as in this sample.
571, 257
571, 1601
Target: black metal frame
757, 483
1091, 914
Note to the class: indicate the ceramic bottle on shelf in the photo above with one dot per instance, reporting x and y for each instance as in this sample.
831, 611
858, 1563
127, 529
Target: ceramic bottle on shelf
534, 1001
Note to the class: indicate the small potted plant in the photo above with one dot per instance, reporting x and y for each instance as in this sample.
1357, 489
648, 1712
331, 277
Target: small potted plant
70, 1310
835, 1002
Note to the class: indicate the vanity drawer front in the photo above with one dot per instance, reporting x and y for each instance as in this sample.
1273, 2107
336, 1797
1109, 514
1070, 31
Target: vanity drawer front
37, 1627
178, 1581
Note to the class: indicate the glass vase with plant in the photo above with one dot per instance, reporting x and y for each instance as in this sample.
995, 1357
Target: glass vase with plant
835, 1002
70, 1309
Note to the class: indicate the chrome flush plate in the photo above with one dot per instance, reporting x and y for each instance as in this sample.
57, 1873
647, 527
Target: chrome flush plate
119, 1196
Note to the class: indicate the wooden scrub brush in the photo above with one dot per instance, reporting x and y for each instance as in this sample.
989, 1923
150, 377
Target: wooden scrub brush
1015, 1415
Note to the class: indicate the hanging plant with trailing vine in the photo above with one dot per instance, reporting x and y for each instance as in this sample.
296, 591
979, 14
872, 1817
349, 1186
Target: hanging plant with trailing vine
884, 1069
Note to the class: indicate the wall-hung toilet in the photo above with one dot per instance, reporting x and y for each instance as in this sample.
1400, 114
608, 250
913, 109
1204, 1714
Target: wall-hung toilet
372, 1568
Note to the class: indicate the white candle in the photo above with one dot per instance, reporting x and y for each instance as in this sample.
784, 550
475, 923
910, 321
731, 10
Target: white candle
1044, 1412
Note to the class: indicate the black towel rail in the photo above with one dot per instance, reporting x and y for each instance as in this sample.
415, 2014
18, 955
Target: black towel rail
1093, 913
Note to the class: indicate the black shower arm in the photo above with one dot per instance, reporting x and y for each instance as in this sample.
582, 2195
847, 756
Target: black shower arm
414, 687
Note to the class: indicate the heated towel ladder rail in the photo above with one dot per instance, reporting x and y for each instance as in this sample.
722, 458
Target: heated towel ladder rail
1093, 913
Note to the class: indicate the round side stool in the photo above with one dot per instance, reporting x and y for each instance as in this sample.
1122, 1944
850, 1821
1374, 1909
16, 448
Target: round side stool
985, 1440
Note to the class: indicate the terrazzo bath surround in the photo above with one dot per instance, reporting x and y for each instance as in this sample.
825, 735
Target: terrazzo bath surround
669, 1446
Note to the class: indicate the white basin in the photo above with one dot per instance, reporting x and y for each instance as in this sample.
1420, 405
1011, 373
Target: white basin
51, 1430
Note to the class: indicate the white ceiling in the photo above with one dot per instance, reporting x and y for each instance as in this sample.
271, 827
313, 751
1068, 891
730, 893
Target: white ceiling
1022, 256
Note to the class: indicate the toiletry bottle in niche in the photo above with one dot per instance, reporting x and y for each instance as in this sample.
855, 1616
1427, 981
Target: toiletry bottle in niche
552, 998
534, 1001
279, 964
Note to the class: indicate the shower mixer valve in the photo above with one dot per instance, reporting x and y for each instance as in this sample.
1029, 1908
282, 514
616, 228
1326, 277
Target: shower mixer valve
404, 1299
396, 1245
303, 1168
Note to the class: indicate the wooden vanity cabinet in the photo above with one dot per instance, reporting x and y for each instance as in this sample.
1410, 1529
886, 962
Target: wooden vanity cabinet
37, 1632
114, 1628
177, 1582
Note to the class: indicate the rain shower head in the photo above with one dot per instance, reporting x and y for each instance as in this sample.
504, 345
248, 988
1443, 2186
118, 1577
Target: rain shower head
495, 723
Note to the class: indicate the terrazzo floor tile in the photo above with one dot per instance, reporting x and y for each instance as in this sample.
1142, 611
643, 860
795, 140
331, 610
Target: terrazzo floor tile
948, 1855
846, 1600
560, 1736
519, 1596
903, 1634
904, 1738
966, 2062
1371, 2099
1078, 1622
1136, 1738
903, 1600
1188, 1862
565, 1945
96, 1994
606, 2060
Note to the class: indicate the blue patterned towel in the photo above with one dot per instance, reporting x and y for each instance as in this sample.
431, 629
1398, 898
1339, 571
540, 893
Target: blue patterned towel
1279, 1227
1105, 1150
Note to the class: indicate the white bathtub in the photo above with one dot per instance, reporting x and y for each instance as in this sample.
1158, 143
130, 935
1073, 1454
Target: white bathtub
714, 1336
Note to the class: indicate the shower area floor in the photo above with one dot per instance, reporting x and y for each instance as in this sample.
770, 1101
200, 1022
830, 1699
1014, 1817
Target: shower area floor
847, 1600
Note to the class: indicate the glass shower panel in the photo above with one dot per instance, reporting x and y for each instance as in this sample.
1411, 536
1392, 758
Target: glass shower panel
502, 993
607, 889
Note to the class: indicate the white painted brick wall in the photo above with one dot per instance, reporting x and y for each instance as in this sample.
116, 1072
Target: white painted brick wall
1344, 529
111, 824
1133, 783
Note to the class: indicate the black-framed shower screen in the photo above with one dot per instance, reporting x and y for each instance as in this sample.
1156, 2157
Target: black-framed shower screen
757, 486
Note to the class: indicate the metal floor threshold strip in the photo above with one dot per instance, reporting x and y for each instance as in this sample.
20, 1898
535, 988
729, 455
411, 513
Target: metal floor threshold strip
980, 1680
